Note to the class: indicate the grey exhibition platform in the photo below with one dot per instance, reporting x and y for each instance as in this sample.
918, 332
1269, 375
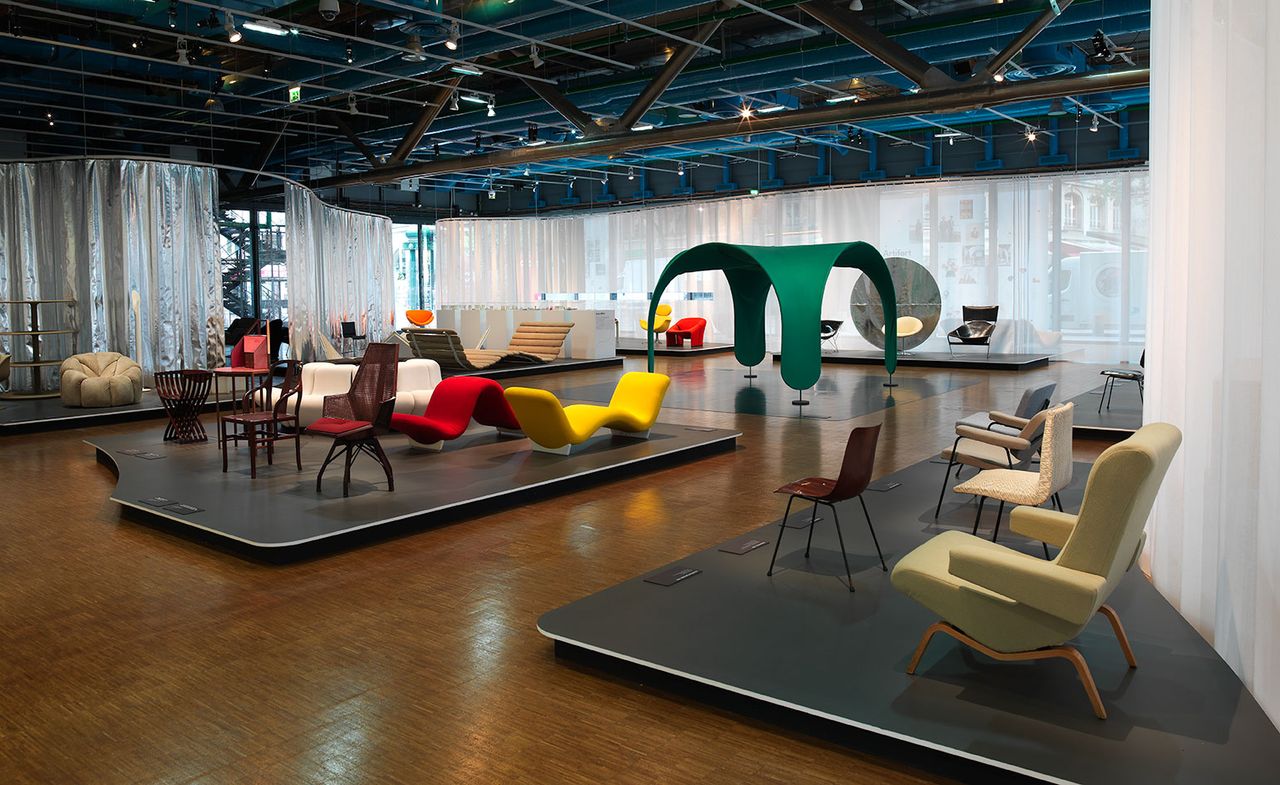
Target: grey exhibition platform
800, 650
1117, 421
184, 486
640, 346
969, 360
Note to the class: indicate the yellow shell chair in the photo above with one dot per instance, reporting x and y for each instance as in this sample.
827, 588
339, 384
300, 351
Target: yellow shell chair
663, 320
554, 428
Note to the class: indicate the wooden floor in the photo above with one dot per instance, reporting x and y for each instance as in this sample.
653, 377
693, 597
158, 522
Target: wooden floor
129, 655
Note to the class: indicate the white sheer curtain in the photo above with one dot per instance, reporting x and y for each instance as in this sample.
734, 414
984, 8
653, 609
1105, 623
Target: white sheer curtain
1214, 546
340, 269
1064, 256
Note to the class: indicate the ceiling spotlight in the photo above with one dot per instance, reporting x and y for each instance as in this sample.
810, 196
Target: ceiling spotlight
1093, 126
999, 77
680, 169
173, 14
213, 104
491, 112
745, 112
49, 116
951, 141
533, 132
1031, 134
351, 104
631, 173
415, 53
453, 102
856, 5
137, 43
435, 149
492, 193
534, 57
328, 9
479, 147
526, 170
182, 52
234, 35
1056, 109
455, 35
350, 57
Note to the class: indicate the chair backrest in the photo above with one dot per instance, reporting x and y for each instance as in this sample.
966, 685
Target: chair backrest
348, 329
419, 317
417, 374
909, 325
1118, 497
1034, 399
443, 346
290, 387
858, 464
375, 382
188, 385
1055, 450
663, 310
980, 313
4, 366
545, 339
829, 328
688, 323
640, 394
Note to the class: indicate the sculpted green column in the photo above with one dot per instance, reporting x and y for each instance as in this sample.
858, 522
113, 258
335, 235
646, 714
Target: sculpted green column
798, 274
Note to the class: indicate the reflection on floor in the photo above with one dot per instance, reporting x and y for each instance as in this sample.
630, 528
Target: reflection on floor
800, 640
1121, 418
723, 389
967, 358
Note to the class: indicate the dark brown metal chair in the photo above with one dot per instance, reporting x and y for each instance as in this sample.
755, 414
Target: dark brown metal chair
269, 420
183, 394
855, 476
355, 419
1113, 375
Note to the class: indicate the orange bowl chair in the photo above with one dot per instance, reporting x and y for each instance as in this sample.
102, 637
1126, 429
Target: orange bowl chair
419, 318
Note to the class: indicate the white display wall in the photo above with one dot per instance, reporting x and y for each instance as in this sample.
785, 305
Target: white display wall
1065, 256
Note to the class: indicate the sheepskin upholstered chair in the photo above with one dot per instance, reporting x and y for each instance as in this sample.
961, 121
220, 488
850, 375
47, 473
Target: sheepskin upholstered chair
97, 379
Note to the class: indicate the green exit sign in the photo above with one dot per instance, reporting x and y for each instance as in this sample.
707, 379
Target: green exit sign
295, 93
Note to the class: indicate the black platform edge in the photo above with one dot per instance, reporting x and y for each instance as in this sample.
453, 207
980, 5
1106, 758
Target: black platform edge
975, 363
560, 366
664, 351
404, 526
779, 715
88, 420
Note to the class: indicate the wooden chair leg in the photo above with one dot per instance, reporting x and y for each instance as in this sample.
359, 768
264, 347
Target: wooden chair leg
253, 450
1118, 629
297, 445
933, 629
1068, 653
376, 448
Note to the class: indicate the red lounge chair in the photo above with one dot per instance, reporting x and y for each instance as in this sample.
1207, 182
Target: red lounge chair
454, 403
691, 327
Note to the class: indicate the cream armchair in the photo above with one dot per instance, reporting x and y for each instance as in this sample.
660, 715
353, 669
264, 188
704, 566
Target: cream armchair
1013, 606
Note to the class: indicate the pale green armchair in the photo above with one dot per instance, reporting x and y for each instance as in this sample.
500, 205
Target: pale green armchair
1012, 606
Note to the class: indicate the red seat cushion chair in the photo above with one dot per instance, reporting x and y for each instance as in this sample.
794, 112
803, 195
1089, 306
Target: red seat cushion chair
454, 403
691, 327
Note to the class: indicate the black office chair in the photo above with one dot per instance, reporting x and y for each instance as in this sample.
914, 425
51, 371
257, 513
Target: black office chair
1113, 375
830, 328
349, 334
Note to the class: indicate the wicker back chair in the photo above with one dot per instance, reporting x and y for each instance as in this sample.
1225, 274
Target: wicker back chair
355, 419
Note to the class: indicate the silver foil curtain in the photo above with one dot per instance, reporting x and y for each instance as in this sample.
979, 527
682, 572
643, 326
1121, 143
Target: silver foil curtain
99, 232
340, 270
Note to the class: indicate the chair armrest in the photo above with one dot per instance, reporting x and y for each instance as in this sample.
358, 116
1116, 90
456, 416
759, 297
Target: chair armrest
338, 406
1008, 419
1070, 595
992, 437
1038, 523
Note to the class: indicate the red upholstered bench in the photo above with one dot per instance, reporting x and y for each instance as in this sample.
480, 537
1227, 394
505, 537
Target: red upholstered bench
691, 327
454, 403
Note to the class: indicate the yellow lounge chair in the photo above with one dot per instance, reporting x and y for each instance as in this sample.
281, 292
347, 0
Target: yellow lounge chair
663, 320
558, 429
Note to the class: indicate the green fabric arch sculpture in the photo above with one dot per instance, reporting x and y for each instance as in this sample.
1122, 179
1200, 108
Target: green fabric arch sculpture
798, 273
